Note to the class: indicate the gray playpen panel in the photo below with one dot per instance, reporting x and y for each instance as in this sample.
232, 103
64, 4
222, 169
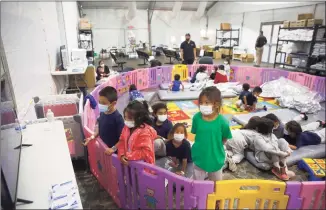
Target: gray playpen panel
312, 151
166, 95
285, 115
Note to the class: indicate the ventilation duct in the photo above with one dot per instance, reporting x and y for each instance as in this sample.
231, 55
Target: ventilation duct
132, 9
200, 11
176, 9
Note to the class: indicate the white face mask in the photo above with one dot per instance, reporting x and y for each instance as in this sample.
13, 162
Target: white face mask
286, 132
162, 118
102, 65
103, 108
206, 110
178, 137
225, 62
130, 124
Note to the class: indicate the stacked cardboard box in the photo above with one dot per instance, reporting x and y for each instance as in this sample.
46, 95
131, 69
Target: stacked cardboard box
312, 22
84, 24
217, 55
226, 51
304, 20
247, 58
225, 26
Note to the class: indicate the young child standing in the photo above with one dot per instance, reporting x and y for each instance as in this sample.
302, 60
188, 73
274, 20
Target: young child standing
227, 67
134, 94
179, 148
221, 76
137, 137
248, 100
175, 86
110, 122
211, 130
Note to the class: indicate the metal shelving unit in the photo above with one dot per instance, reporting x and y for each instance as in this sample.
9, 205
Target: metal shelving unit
89, 51
222, 39
309, 61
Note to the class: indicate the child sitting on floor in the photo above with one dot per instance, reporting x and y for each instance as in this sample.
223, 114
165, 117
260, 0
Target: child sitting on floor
248, 100
179, 148
201, 69
269, 149
309, 134
134, 94
221, 76
175, 86
137, 137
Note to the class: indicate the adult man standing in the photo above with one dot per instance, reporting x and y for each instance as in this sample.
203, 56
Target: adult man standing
261, 41
188, 51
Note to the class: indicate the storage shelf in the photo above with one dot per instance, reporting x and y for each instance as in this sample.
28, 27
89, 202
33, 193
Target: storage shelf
297, 28
225, 38
289, 40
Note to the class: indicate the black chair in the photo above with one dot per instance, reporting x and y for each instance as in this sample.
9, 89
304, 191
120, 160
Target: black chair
206, 60
171, 54
144, 56
119, 63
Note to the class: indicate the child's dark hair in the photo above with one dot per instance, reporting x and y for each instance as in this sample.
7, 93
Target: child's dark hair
272, 117
174, 128
177, 77
252, 123
245, 86
201, 69
293, 127
110, 93
159, 106
213, 94
139, 113
99, 62
132, 87
221, 67
265, 126
257, 89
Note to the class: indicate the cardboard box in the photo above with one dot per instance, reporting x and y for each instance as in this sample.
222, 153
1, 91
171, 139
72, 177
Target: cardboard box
312, 22
305, 16
84, 20
286, 24
226, 51
85, 26
293, 24
247, 58
217, 55
225, 26
301, 23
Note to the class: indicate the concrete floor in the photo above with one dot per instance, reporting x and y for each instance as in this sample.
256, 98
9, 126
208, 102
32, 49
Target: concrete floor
95, 197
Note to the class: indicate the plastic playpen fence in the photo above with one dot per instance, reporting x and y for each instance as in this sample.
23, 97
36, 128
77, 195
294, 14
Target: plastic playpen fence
133, 187
123, 82
182, 70
159, 75
139, 78
193, 68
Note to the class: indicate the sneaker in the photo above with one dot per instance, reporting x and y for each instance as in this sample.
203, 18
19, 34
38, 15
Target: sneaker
232, 165
322, 124
278, 173
304, 116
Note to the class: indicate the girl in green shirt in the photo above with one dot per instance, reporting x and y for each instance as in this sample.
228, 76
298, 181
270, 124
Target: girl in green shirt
211, 130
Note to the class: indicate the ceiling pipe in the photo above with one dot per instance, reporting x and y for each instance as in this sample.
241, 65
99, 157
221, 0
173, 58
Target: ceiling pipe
132, 10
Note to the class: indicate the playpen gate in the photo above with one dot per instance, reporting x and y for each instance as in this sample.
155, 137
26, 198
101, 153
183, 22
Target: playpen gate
139, 78
248, 194
154, 75
123, 83
180, 69
250, 75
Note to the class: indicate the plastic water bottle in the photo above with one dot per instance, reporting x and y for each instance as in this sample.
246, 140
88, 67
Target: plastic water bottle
50, 116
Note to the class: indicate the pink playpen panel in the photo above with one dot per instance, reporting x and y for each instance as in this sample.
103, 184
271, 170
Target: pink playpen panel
319, 86
155, 76
123, 82
250, 75
140, 78
166, 73
302, 78
269, 74
60, 110
110, 82
89, 118
193, 68
102, 175
310, 190
233, 72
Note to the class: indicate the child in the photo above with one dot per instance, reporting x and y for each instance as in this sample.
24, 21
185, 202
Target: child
268, 149
110, 122
100, 74
179, 148
211, 130
306, 135
162, 126
227, 67
137, 137
134, 94
105, 67
221, 76
201, 69
247, 100
175, 86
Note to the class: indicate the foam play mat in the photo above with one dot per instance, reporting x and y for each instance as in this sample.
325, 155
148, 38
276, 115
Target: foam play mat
183, 111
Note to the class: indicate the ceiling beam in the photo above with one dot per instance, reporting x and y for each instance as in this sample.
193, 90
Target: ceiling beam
151, 6
211, 6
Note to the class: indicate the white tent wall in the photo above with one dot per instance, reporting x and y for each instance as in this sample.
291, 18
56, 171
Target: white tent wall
110, 27
252, 20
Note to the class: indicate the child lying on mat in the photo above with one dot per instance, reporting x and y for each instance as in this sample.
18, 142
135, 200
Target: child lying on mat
248, 100
310, 134
175, 86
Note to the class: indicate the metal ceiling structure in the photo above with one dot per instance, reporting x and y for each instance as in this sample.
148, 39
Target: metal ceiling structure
144, 5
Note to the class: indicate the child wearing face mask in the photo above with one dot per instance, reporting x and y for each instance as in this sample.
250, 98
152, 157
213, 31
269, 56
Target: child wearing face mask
227, 67
211, 130
110, 122
137, 137
162, 126
100, 74
179, 148
248, 100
